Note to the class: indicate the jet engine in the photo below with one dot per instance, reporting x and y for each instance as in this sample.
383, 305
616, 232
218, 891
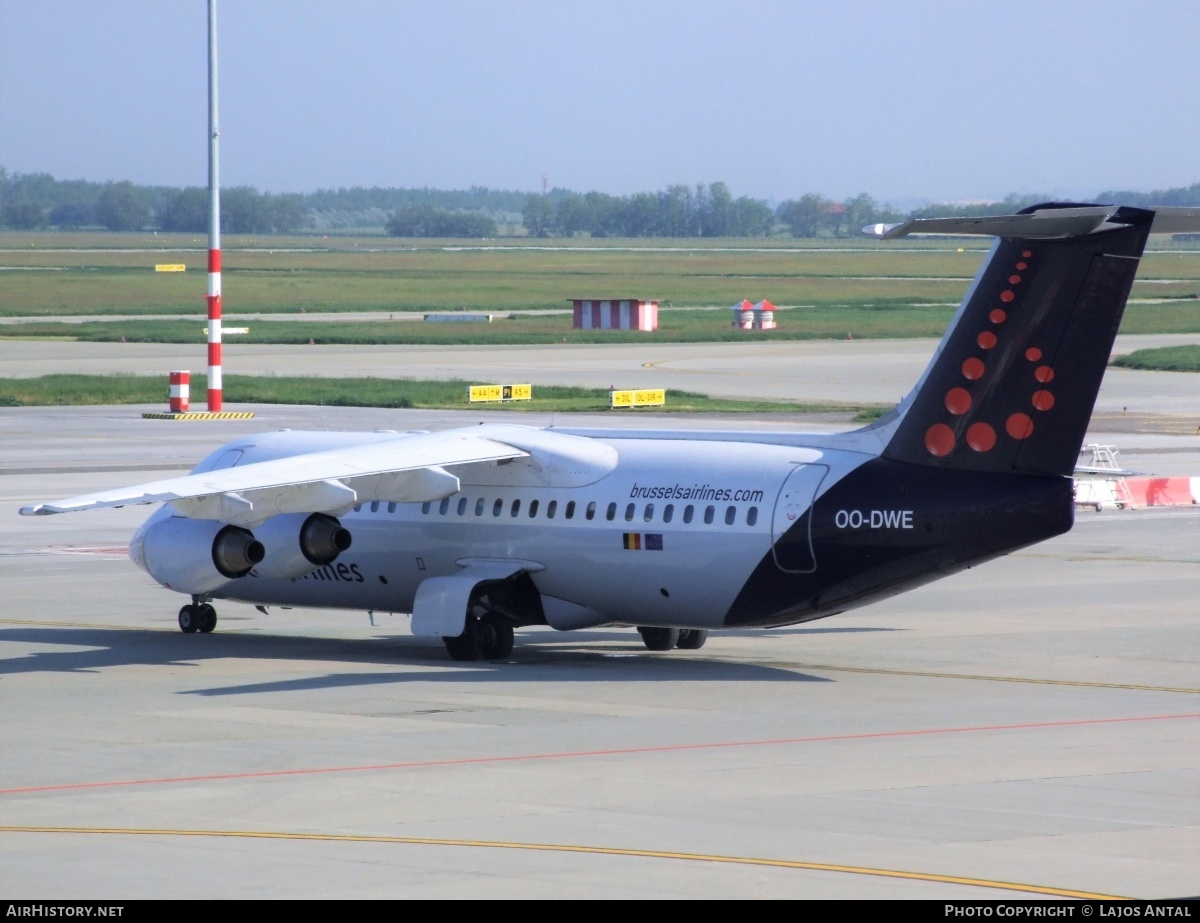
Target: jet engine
296, 544
194, 556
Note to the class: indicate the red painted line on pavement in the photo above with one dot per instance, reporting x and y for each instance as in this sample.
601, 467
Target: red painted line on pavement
582, 754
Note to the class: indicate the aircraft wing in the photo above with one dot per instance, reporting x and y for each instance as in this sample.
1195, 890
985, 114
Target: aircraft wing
406, 469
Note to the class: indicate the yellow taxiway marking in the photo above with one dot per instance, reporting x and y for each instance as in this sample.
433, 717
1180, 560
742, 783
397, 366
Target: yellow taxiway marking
570, 848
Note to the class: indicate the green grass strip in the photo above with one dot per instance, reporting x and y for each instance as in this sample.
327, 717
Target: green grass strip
1163, 359
886, 319
50, 390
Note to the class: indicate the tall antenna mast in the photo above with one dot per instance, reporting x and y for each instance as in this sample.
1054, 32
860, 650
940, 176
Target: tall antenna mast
214, 223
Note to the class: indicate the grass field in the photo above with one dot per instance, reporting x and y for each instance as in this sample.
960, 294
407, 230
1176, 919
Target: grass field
1164, 359
367, 392
105, 274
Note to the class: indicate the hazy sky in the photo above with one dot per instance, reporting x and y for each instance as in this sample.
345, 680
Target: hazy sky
903, 100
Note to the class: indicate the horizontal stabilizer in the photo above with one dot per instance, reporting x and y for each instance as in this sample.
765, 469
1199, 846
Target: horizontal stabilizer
1042, 223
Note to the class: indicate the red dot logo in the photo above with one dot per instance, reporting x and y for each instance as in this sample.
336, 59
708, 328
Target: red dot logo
986, 340
981, 437
1042, 400
1014, 279
998, 316
958, 401
939, 440
972, 369
1019, 426
1044, 374
1022, 266
1006, 296
1027, 253
1033, 354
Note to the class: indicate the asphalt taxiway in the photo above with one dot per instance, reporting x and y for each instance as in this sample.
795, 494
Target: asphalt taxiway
1028, 728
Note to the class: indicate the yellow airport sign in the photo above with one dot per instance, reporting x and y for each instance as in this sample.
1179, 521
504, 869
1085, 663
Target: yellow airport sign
170, 267
648, 397
483, 393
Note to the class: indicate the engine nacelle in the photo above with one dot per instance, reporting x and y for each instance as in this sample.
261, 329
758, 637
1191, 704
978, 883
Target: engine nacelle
297, 543
194, 556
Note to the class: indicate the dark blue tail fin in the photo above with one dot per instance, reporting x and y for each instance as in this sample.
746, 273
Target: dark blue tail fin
1014, 381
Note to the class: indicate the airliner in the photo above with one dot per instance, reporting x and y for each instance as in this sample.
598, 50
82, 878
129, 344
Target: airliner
479, 531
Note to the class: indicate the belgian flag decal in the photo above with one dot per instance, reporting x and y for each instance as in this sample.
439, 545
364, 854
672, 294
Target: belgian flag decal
636, 541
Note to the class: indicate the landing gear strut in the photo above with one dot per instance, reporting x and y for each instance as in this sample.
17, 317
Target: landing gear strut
197, 616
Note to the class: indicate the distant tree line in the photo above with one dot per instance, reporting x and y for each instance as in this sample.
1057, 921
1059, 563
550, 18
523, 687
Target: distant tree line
678, 211
29, 201
428, 221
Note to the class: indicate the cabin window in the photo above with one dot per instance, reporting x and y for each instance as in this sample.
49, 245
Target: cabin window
629, 512
516, 508
611, 513
391, 507
444, 506
709, 512
479, 506
687, 513
551, 509
668, 512
358, 507
589, 515
462, 506
730, 515
533, 505
374, 506
649, 514
426, 507
497, 507
570, 509
752, 515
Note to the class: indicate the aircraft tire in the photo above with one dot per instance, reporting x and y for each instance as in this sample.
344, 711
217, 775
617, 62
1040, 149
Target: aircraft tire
497, 635
659, 639
468, 645
189, 619
692, 639
207, 618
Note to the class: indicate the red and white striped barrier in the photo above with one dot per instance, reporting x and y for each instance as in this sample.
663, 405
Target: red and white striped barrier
181, 384
1145, 491
629, 314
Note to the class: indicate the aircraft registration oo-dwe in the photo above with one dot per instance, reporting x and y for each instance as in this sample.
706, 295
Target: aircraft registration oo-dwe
477, 531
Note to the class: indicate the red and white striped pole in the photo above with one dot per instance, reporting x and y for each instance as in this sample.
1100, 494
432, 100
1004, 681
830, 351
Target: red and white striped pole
214, 223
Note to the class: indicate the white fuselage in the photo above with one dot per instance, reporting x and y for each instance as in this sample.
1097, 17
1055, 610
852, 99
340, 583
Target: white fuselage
666, 535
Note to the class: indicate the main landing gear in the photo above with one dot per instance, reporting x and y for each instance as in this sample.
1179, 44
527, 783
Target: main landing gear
488, 637
197, 616
664, 639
